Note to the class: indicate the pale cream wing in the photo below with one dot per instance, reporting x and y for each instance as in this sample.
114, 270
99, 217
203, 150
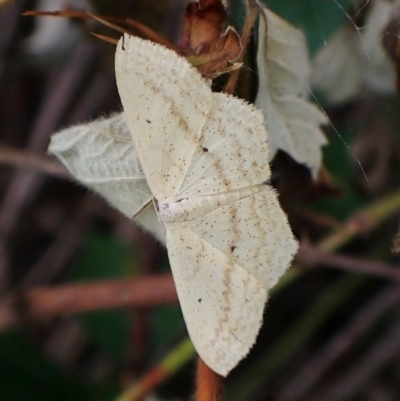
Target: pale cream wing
166, 103
222, 304
252, 232
102, 156
232, 151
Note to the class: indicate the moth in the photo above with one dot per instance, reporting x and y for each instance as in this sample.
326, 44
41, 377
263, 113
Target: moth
201, 158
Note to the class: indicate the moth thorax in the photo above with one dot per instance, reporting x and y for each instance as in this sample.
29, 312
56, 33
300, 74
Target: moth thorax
175, 210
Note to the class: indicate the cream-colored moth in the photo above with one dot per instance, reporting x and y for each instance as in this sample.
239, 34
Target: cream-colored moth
204, 157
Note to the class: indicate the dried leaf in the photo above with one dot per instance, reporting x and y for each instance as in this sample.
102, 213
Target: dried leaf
292, 121
206, 42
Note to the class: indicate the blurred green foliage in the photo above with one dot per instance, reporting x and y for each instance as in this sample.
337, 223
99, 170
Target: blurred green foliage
102, 258
339, 161
318, 18
25, 375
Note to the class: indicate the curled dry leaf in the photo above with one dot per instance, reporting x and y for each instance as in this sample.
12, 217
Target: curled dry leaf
293, 123
354, 59
206, 41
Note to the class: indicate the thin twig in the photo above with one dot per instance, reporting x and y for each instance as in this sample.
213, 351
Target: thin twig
25, 184
152, 35
312, 256
252, 12
56, 256
352, 381
179, 356
105, 38
68, 300
209, 385
67, 342
111, 22
314, 369
41, 164
361, 223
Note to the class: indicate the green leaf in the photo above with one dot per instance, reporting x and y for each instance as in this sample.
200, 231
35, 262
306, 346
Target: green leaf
319, 19
340, 162
167, 322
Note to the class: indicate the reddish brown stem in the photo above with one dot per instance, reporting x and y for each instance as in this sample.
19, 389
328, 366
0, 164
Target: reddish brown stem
104, 38
209, 385
72, 299
114, 23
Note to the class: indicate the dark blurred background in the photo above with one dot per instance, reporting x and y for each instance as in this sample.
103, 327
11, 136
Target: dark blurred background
328, 334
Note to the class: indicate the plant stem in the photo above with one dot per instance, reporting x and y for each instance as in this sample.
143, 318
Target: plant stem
173, 361
361, 222
209, 385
